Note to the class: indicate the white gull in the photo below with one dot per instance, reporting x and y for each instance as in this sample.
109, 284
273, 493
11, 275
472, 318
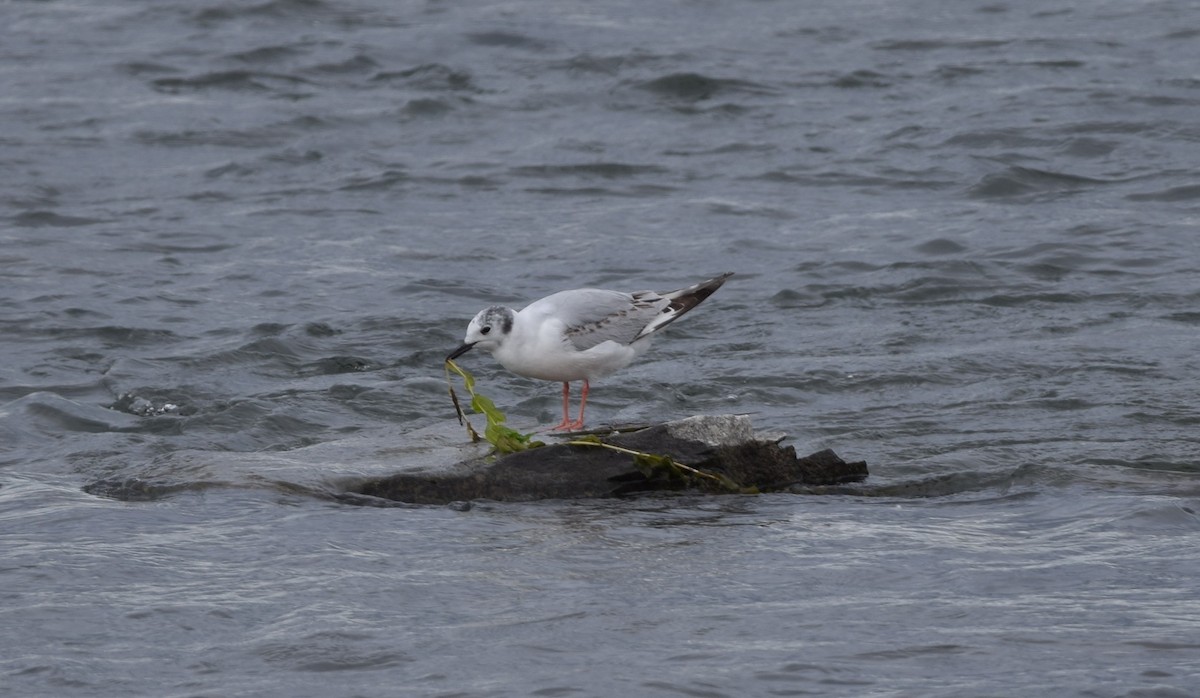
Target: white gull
581, 334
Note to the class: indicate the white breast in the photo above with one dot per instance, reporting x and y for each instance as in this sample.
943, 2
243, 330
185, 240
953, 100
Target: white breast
541, 350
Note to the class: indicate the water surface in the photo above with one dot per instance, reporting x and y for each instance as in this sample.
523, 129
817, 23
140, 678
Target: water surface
964, 238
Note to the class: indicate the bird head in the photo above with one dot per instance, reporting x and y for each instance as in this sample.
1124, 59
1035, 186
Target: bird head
486, 330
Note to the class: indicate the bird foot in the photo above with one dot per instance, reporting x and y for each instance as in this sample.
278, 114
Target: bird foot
568, 425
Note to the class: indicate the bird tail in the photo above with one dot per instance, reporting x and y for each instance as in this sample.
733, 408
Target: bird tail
681, 301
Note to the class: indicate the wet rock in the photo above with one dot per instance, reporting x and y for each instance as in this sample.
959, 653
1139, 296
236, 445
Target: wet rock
723, 446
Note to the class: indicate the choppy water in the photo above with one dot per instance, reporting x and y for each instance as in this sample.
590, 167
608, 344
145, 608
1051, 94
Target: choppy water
966, 244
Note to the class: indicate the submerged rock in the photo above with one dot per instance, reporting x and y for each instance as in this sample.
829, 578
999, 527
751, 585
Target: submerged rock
722, 446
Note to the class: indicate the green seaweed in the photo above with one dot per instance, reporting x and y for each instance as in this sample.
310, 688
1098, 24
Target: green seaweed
502, 438
508, 440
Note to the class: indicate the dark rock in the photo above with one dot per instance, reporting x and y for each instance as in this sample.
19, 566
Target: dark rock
723, 446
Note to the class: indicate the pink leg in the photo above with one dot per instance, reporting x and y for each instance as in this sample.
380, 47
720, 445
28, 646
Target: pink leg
582, 404
567, 424
566, 420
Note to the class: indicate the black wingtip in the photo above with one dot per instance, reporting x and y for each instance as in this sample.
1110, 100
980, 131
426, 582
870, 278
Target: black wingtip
685, 299
689, 298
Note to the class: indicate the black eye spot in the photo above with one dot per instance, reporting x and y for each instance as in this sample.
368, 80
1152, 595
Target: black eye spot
485, 329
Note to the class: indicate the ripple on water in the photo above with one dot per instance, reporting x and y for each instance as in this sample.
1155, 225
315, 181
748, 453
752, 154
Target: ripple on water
241, 237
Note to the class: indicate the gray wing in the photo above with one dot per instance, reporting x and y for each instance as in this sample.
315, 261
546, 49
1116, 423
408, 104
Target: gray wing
593, 316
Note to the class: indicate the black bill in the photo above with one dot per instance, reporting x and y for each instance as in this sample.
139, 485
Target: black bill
460, 351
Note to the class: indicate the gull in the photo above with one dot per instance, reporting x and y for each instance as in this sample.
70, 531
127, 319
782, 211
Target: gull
581, 334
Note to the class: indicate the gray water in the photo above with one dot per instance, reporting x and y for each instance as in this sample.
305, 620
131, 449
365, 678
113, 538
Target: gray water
965, 238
